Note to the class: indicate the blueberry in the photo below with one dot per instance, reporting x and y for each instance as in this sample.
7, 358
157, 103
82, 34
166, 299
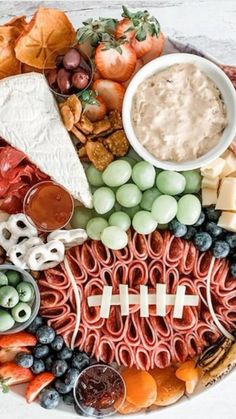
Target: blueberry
69, 398
24, 360
202, 241
213, 229
231, 240
177, 228
38, 366
212, 214
61, 387
49, 361
65, 354
71, 376
45, 334
220, 249
49, 398
191, 231
59, 367
41, 351
233, 269
200, 220
36, 323
80, 360
57, 343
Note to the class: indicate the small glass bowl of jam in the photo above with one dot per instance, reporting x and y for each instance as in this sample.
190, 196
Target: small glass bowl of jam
99, 391
48, 205
72, 72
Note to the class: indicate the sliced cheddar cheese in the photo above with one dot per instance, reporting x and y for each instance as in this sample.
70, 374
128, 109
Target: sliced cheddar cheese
230, 163
210, 182
227, 195
227, 220
209, 197
214, 169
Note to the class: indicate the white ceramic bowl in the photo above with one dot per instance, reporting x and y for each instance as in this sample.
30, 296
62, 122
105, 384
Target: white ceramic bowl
221, 81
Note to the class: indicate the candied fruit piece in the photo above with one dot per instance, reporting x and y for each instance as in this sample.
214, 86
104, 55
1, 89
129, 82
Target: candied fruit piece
169, 387
141, 389
190, 374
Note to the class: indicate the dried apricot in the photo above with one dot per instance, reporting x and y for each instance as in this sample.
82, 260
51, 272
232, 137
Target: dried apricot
127, 408
141, 389
98, 155
190, 374
169, 387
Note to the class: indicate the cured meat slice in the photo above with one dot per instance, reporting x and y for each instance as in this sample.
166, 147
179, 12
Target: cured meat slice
138, 274
202, 264
138, 246
194, 343
115, 326
147, 333
132, 337
120, 273
173, 250
77, 269
51, 297
91, 342
91, 315
103, 255
56, 279
179, 349
161, 356
57, 312
155, 245
63, 324
143, 358
124, 255
187, 261
88, 260
124, 355
105, 350
156, 272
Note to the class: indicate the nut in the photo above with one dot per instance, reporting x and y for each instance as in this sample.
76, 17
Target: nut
75, 106
115, 119
101, 126
98, 155
85, 125
79, 135
67, 117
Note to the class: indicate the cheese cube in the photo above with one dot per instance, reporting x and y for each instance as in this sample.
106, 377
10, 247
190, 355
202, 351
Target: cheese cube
230, 163
227, 195
227, 220
209, 196
214, 169
210, 182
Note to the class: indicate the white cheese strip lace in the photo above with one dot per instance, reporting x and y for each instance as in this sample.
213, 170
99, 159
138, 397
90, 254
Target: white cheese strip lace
77, 302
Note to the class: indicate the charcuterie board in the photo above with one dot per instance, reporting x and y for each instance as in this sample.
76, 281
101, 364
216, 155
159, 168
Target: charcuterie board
117, 197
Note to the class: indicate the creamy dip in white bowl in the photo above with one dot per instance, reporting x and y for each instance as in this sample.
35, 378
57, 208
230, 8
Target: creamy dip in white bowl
212, 112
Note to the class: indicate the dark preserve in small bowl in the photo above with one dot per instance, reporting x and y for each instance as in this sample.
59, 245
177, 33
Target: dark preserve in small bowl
72, 74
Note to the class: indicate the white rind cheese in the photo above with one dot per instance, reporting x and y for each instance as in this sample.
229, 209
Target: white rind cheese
227, 195
30, 122
227, 220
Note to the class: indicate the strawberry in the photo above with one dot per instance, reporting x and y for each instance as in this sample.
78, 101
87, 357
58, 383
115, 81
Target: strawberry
156, 49
125, 28
11, 374
142, 47
111, 92
8, 354
36, 385
138, 28
97, 111
115, 60
17, 340
139, 65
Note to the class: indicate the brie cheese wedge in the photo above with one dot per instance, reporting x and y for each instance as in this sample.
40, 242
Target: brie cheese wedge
30, 121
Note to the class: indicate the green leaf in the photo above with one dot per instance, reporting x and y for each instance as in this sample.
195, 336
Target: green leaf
89, 96
88, 21
119, 49
141, 34
127, 13
94, 39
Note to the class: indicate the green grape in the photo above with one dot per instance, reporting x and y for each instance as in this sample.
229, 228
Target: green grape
114, 238
131, 161
143, 175
108, 214
94, 176
193, 181
120, 219
189, 209
117, 207
117, 173
131, 211
95, 227
103, 200
148, 198
170, 183
81, 216
144, 223
164, 209
128, 195
158, 171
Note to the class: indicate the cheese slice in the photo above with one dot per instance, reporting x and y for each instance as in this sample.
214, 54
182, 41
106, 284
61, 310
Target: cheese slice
209, 197
214, 169
30, 122
210, 182
230, 163
227, 220
227, 195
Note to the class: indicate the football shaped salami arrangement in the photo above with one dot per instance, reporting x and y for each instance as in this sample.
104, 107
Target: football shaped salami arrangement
117, 215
